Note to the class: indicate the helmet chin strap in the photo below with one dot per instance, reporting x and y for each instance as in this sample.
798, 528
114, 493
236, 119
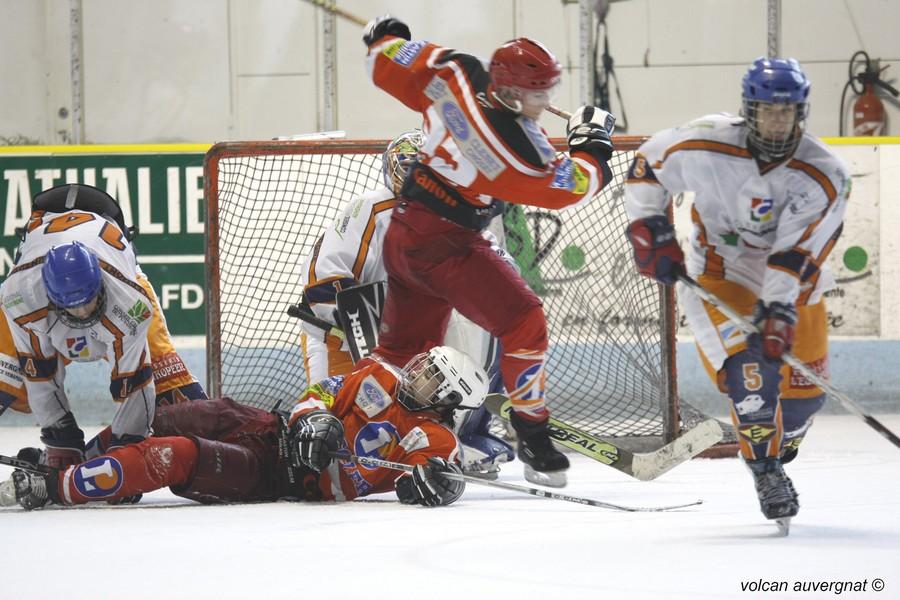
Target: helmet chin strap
516, 108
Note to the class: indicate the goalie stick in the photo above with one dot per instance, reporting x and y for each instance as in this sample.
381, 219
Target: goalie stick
643, 466
377, 462
299, 311
795, 363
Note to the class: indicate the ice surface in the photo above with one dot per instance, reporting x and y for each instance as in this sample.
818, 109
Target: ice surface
492, 544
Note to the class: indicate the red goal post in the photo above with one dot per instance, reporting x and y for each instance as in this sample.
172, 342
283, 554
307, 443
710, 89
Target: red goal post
611, 366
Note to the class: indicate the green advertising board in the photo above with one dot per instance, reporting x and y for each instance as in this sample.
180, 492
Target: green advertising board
160, 190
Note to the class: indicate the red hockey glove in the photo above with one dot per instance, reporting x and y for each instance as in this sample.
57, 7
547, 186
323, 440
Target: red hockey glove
776, 328
656, 251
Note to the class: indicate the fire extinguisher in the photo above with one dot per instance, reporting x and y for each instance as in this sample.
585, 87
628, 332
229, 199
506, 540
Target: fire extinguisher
868, 111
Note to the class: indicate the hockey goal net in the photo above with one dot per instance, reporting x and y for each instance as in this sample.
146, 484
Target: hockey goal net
611, 368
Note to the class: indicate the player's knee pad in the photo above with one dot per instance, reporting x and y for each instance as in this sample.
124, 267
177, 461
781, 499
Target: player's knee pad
223, 472
480, 449
753, 388
797, 416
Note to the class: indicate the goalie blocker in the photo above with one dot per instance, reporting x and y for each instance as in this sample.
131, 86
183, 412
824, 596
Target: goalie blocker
359, 314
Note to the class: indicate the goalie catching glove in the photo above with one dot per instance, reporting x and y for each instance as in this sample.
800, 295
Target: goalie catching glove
429, 485
313, 437
588, 131
384, 25
776, 323
656, 251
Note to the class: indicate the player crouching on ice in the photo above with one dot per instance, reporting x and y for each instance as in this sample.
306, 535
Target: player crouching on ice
768, 207
220, 451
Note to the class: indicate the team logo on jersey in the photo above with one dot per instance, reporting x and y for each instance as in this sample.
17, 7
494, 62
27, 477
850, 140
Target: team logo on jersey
455, 120
750, 404
376, 440
569, 176
12, 300
77, 347
416, 439
372, 398
100, 477
757, 433
730, 334
403, 52
530, 383
761, 209
140, 312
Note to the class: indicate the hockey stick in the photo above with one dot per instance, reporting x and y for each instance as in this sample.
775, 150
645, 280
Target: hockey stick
329, 7
377, 462
795, 363
296, 311
24, 465
643, 466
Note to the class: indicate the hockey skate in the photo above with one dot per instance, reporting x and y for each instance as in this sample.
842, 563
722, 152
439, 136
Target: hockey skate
482, 452
544, 464
777, 496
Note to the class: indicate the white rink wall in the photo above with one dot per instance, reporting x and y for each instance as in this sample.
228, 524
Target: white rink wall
212, 70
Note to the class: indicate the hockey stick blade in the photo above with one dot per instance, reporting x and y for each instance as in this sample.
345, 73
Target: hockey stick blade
377, 462
24, 465
643, 466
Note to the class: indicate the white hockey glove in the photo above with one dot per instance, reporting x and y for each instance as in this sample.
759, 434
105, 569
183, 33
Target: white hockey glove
588, 131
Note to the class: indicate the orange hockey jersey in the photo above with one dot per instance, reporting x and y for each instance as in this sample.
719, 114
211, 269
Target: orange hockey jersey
375, 425
476, 151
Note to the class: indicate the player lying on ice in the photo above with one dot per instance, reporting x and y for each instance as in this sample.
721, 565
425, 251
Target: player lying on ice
768, 207
220, 451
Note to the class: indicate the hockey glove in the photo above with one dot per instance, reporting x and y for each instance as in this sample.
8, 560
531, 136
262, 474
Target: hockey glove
588, 131
384, 25
313, 437
656, 251
776, 323
64, 441
428, 484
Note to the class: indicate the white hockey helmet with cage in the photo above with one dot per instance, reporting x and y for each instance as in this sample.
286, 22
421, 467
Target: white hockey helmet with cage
399, 156
442, 379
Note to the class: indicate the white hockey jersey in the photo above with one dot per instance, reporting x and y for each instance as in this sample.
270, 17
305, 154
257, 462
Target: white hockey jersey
769, 231
120, 336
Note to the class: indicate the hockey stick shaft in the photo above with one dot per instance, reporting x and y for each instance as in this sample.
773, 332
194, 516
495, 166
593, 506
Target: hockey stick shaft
329, 7
296, 311
24, 465
377, 462
749, 328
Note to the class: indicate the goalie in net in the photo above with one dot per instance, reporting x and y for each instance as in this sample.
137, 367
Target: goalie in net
348, 254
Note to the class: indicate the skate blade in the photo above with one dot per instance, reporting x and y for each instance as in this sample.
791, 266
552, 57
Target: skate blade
555, 479
784, 525
8, 493
486, 475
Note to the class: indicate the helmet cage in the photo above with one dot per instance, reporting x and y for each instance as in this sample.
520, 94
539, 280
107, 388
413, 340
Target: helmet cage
399, 157
72, 278
442, 379
70, 320
774, 81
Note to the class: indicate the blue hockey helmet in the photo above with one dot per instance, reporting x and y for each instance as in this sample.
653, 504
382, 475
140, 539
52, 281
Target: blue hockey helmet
775, 130
72, 276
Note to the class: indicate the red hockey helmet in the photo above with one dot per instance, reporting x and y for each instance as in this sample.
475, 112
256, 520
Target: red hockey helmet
526, 64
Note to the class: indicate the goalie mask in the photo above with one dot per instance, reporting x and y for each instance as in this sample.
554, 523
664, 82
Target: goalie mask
72, 277
524, 75
399, 157
442, 379
775, 106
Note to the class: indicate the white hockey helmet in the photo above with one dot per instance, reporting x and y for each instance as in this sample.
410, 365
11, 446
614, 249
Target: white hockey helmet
399, 156
442, 379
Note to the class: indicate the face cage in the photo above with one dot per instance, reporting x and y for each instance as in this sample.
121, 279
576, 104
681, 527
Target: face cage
418, 375
70, 320
772, 148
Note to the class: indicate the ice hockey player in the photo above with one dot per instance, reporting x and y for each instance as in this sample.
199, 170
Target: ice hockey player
347, 254
221, 451
768, 207
484, 145
76, 293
